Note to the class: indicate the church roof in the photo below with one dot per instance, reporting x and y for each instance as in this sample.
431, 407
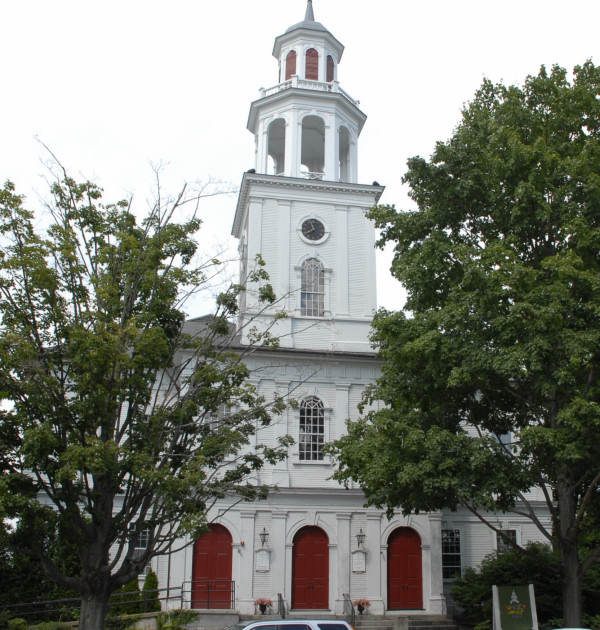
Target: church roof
309, 21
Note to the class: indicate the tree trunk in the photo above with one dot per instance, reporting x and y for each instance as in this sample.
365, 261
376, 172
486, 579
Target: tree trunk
572, 582
93, 612
568, 539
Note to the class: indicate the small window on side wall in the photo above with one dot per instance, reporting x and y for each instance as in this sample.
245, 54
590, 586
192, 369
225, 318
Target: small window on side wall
506, 539
451, 558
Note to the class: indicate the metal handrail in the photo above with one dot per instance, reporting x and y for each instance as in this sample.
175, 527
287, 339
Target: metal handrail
349, 610
208, 594
280, 605
68, 608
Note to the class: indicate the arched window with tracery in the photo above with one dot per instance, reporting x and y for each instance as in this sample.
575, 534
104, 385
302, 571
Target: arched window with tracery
290, 65
311, 436
312, 292
311, 71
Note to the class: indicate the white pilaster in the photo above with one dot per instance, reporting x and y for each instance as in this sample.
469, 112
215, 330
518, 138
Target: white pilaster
279, 556
343, 559
246, 557
342, 264
374, 564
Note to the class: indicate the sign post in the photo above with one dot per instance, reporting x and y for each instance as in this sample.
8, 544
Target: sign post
514, 608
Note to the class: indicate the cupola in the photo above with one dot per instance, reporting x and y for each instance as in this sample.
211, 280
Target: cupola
306, 126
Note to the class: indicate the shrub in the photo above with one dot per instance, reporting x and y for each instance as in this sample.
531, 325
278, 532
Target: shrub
130, 596
150, 593
174, 619
537, 565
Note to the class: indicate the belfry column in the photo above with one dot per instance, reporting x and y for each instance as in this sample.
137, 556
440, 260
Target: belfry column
330, 166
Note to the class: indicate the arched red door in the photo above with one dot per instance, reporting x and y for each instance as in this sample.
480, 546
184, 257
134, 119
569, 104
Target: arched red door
211, 572
310, 569
405, 573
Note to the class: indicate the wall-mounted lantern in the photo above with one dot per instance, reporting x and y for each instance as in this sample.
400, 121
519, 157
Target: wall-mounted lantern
360, 538
264, 536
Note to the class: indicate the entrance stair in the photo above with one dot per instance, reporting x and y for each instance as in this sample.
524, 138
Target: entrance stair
362, 622
404, 622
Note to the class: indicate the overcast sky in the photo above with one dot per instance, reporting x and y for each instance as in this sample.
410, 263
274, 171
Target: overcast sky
114, 86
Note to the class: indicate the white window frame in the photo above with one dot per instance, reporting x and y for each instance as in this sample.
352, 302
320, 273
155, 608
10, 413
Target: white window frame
447, 554
300, 312
502, 546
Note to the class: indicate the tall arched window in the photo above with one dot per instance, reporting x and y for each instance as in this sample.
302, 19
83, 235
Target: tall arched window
312, 292
311, 71
312, 429
290, 64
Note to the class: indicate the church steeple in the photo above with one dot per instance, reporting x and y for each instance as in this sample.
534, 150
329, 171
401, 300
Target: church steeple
301, 207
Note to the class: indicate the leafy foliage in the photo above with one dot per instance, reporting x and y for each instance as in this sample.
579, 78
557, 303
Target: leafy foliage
118, 419
491, 378
538, 565
126, 600
23, 580
174, 619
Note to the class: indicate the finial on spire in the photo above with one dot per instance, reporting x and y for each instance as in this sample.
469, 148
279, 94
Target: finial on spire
310, 16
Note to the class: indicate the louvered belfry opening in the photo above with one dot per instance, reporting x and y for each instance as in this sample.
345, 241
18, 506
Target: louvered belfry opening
330, 69
290, 65
312, 65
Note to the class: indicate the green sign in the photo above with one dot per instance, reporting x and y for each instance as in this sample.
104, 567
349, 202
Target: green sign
515, 608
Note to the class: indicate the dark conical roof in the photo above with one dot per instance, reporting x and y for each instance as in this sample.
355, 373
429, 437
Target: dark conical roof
309, 21
310, 16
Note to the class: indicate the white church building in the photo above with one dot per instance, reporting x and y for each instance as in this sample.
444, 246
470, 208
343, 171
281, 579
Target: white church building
303, 209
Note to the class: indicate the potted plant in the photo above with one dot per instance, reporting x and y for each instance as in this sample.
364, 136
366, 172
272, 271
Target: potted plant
362, 603
263, 603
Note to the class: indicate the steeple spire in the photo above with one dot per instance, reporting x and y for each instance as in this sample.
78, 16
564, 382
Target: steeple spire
310, 16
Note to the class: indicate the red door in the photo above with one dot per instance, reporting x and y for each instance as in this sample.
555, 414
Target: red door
211, 573
405, 574
310, 570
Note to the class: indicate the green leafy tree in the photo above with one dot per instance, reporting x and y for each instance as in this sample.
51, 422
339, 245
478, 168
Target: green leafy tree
491, 376
117, 421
